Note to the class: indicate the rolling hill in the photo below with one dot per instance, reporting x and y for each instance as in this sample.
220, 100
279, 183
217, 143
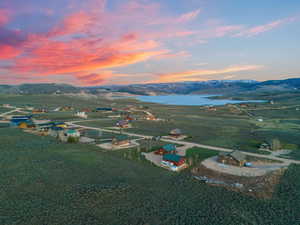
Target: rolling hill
201, 87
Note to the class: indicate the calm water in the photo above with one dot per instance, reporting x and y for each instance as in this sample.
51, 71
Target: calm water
194, 100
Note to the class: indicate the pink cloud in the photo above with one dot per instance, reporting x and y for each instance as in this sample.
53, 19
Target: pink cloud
8, 52
189, 16
57, 57
4, 16
264, 28
76, 22
102, 45
173, 55
184, 18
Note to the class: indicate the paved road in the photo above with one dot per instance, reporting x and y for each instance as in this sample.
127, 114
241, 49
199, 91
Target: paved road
6, 113
189, 144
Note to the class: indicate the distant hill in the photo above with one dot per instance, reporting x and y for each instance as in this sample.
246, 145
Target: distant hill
210, 87
201, 87
44, 88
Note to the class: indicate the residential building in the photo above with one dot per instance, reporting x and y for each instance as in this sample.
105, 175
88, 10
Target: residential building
121, 140
176, 133
173, 161
166, 149
235, 158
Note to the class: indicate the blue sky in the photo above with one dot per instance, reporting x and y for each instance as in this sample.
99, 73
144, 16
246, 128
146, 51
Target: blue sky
98, 42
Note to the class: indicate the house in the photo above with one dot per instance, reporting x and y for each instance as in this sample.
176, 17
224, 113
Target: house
173, 161
150, 117
121, 140
166, 149
235, 158
15, 121
265, 146
107, 109
64, 135
82, 115
55, 131
66, 108
44, 127
129, 118
123, 124
72, 133
26, 124
6, 105
176, 133
243, 105
60, 124
39, 111
212, 109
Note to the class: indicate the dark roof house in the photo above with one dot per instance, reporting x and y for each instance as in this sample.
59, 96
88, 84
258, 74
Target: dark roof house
235, 158
238, 155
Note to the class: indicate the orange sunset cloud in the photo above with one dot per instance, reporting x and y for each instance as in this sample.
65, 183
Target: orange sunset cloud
195, 75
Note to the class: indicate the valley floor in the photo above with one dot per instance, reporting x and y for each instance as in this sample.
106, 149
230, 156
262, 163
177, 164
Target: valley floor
44, 181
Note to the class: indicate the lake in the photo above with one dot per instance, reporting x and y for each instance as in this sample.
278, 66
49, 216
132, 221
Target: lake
191, 100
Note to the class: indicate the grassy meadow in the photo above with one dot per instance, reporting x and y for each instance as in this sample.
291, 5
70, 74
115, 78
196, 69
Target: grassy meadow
47, 182
228, 126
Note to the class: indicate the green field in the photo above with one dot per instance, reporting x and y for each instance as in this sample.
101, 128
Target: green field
100, 123
3, 110
46, 182
196, 155
227, 127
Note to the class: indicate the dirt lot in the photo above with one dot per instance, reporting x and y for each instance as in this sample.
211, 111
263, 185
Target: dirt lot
258, 168
260, 187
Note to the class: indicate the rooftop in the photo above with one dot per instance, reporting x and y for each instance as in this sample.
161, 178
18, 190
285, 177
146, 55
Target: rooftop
176, 131
172, 157
121, 138
169, 147
238, 155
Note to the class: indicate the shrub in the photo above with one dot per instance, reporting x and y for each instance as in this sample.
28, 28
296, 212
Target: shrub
73, 140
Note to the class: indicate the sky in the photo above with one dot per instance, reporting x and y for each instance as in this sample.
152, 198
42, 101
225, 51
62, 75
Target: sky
120, 42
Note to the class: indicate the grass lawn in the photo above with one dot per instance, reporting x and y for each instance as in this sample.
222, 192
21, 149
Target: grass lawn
196, 155
101, 124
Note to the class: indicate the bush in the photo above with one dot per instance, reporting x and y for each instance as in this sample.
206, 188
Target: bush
73, 140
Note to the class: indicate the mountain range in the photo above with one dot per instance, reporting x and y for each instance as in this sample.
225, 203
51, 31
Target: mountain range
201, 87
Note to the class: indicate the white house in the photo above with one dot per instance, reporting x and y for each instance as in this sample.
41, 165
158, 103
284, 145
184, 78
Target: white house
81, 115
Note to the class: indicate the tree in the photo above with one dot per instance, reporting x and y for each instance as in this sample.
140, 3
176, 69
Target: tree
275, 144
